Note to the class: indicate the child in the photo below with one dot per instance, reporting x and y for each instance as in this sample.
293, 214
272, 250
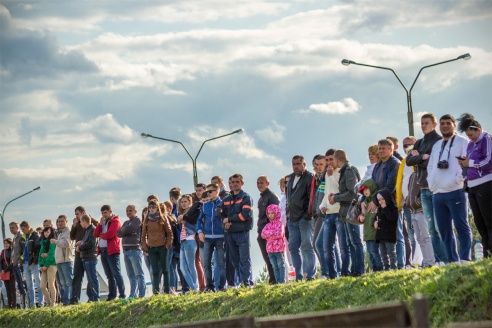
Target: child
385, 223
274, 234
369, 189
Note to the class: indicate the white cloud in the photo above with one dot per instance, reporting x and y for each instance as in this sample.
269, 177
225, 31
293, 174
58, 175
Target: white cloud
273, 134
345, 106
106, 129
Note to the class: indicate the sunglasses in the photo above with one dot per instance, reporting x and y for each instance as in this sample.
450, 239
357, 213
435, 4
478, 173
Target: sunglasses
407, 146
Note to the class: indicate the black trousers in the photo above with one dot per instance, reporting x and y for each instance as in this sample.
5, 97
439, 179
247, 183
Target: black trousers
264, 254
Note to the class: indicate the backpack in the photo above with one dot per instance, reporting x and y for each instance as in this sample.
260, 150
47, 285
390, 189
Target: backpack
413, 199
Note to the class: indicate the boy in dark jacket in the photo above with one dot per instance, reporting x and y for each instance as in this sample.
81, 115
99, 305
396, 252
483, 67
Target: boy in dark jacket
87, 247
385, 223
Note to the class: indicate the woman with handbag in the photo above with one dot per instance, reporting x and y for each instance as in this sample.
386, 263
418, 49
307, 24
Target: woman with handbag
7, 274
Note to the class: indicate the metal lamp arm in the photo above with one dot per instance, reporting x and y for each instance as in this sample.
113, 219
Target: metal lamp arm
386, 68
443, 62
175, 141
225, 135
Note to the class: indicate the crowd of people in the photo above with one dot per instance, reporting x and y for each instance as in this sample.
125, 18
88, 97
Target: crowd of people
202, 239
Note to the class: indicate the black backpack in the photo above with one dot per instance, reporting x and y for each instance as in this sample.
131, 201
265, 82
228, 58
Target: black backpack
413, 199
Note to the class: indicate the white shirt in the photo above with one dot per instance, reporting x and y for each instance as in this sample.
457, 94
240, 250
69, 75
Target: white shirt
450, 179
331, 187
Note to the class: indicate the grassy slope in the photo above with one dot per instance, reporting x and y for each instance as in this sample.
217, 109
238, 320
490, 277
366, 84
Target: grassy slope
457, 293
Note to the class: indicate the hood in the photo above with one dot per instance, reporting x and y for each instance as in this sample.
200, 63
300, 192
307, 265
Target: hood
275, 209
371, 184
387, 197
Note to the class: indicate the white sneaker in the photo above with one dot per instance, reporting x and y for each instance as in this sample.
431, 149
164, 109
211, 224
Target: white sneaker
323, 278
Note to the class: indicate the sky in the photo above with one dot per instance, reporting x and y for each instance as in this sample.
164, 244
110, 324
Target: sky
80, 81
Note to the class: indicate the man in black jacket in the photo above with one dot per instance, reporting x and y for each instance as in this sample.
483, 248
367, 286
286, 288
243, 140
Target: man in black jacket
87, 247
267, 197
419, 157
299, 223
30, 262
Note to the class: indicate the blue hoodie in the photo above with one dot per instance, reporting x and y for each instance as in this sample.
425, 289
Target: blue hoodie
208, 222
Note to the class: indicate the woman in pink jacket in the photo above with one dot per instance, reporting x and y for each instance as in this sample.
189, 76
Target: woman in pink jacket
274, 234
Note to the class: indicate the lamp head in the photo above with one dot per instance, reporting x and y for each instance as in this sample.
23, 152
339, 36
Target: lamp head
37, 188
144, 135
239, 131
465, 56
346, 62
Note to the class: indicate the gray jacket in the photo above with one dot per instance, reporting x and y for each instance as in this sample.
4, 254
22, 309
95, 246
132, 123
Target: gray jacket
130, 234
18, 246
349, 176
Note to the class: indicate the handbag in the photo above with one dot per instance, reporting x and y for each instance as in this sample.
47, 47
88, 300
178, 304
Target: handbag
354, 211
6, 275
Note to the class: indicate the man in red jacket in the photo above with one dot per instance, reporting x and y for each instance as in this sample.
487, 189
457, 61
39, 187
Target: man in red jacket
109, 248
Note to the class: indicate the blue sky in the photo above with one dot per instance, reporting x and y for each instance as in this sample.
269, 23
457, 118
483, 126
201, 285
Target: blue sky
81, 80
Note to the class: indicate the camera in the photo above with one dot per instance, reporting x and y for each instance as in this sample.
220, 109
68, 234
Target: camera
443, 164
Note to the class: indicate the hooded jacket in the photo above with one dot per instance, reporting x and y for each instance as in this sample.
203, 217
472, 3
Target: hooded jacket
110, 235
368, 231
209, 221
387, 219
64, 246
32, 248
423, 146
274, 231
480, 165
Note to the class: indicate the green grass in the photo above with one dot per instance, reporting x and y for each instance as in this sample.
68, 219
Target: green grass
457, 293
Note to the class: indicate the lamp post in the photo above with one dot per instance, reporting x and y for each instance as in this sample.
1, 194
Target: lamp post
3, 212
347, 62
193, 160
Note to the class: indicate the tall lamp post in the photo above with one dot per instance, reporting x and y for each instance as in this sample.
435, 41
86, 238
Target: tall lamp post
193, 160
3, 212
347, 62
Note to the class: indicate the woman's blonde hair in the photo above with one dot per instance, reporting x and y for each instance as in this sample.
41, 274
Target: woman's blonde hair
374, 150
180, 209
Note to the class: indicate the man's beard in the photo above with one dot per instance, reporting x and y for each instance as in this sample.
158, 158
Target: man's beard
447, 135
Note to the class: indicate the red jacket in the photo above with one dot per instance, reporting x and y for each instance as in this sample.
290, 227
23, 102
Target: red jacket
113, 242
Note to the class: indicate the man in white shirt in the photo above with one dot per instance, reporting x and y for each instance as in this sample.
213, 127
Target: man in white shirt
445, 179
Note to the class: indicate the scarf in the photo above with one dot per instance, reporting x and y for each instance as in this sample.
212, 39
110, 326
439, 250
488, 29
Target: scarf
154, 217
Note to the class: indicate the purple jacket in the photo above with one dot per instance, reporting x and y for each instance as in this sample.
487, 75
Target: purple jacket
480, 155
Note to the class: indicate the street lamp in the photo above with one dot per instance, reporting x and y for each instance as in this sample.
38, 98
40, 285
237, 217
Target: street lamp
3, 212
347, 62
193, 160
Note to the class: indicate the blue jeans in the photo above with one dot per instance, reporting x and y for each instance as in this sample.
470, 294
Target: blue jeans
187, 263
452, 206
65, 273
90, 269
356, 248
111, 266
328, 248
239, 246
343, 243
210, 246
374, 255
301, 244
18, 279
400, 243
31, 272
437, 243
134, 270
411, 233
278, 263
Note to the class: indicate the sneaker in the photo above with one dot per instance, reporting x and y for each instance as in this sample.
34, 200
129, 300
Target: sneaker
323, 278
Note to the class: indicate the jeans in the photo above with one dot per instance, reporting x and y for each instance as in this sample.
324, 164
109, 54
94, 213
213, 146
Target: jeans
111, 266
240, 256
356, 248
374, 255
90, 269
78, 276
400, 243
421, 229
452, 206
232, 275
218, 273
266, 258
388, 255
301, 244
411, 233
437, 243
158, 262
18, 279
65, 273
134, 270
210, 246
31, 272
327, 247
187, 263
479, 198
278, 263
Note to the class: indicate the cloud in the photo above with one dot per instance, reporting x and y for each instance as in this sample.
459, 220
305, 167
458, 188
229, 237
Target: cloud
272, 135
107, 130
346, 106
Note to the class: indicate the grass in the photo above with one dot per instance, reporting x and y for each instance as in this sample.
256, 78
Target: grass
458, 293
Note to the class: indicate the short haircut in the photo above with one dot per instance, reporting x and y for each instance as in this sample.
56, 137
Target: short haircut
394, 140
105, 208
264, 177
200, 185
48, 221
281, 181
298, 157
318, 157
86, 218
63, 216
218, 178
237, 176
431, 116
330, 152
132, 206
81, 209
411, 138
213, 185
385, 142
153, 196
25, 224
14, 223
447, 117
340, 155
175, 192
